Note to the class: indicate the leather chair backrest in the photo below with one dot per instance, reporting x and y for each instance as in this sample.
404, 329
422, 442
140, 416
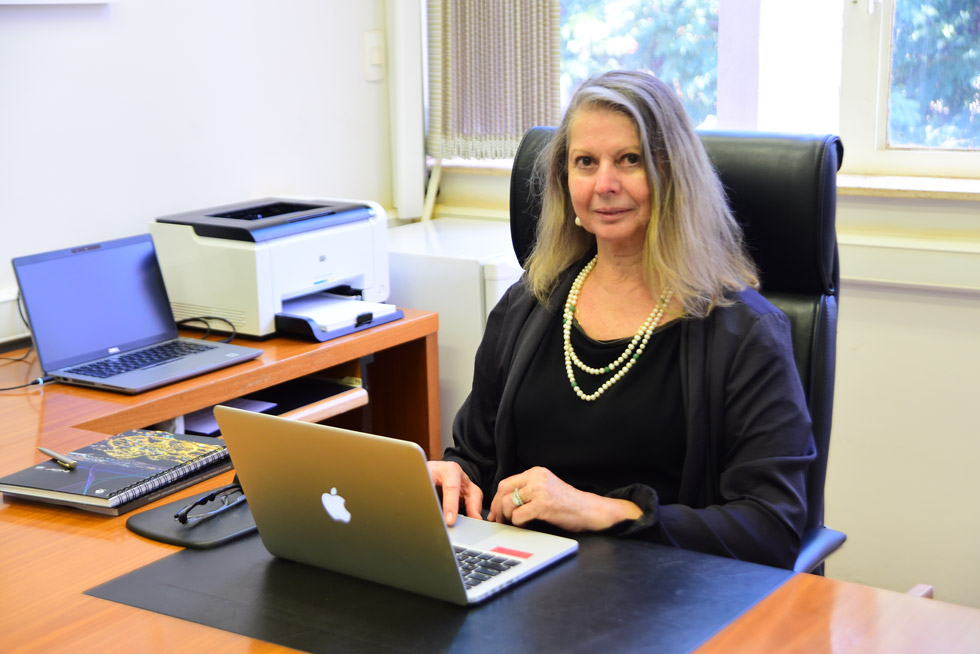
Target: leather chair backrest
782, 189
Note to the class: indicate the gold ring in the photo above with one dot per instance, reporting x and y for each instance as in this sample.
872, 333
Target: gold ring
516, 497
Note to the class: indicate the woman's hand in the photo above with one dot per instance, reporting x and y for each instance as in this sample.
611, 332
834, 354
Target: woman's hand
455, 486
543, 496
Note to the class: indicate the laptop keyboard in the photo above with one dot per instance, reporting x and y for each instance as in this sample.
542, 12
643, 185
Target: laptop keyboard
151, 356
477, 566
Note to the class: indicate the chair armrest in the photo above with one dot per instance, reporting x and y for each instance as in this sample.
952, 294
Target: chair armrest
818, 544
922, 590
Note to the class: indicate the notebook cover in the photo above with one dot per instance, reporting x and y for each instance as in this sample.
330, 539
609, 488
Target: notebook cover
121, 472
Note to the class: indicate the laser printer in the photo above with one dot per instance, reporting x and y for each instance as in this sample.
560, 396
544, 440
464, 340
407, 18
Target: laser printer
278, 265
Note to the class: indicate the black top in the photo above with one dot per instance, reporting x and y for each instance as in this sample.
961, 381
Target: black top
633, 433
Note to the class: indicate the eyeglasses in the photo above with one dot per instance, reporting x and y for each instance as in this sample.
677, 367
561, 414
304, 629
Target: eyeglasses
211, 504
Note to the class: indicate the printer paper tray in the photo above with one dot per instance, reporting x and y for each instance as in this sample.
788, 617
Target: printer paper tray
324, 317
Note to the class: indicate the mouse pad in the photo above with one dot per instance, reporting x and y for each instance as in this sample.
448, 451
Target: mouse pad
613, 595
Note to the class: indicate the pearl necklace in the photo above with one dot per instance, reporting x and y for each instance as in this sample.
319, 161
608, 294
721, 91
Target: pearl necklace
637, 343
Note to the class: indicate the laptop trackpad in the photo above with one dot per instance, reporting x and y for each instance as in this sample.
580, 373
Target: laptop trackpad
469, 531
507, 539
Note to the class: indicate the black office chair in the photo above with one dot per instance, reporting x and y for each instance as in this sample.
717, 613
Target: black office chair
783, 191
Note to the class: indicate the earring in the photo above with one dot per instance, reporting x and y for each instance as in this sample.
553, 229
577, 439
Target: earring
578, 221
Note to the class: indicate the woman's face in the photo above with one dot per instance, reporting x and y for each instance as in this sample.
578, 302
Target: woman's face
607, 180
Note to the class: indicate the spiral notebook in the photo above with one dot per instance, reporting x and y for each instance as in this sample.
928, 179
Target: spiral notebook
122, 472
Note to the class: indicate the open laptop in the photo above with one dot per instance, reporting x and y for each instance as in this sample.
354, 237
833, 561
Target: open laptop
100, 317
364, 505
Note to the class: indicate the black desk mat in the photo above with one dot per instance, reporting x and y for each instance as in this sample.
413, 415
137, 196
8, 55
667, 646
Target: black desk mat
613, 596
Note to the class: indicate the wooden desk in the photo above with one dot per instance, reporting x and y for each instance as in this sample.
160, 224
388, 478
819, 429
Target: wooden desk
403, 377
816, 614
50, 555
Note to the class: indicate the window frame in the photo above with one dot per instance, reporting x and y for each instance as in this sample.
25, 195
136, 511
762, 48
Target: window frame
867, 38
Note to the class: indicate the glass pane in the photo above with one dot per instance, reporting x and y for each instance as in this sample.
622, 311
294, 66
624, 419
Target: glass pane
934, 98
676, 40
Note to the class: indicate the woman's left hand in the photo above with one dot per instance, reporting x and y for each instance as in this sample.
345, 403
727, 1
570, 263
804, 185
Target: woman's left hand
541, 495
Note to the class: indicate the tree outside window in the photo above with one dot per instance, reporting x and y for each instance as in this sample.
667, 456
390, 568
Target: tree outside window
676, 40
934, 98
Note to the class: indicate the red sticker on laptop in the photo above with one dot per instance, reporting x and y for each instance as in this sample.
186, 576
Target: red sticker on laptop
510, 552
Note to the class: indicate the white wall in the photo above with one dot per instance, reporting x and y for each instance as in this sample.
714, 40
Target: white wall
114, 114
906, 441
905, 448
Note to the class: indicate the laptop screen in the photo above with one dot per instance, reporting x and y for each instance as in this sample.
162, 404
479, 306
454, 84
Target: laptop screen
91, 301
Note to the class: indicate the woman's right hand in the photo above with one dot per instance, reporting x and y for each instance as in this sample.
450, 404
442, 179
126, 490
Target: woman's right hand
456, 486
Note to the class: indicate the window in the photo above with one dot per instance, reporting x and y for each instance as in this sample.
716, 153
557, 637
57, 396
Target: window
903, 90
934, 85
910, 90
677, 40
736, 64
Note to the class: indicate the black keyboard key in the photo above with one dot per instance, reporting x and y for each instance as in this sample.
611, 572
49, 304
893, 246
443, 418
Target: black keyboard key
494, 565
476, 566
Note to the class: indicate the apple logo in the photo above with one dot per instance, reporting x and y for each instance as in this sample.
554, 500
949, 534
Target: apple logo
334, 504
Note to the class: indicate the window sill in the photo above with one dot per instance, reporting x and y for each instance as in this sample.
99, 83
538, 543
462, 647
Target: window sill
474, 166
927, 188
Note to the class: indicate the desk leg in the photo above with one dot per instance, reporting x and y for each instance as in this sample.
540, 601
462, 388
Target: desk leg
403, 387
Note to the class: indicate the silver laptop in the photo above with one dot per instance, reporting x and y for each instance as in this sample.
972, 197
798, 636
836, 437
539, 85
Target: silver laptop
364, 505
100, 317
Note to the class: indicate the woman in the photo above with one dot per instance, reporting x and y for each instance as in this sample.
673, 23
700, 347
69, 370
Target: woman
634, 381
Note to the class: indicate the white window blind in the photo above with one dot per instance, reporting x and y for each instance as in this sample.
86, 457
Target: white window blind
493, 74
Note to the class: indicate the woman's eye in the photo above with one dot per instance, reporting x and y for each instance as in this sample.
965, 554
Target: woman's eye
631, 159
583, 162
